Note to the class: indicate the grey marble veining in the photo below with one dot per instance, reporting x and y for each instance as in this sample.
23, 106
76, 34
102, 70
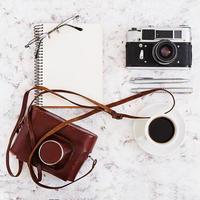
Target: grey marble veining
124, 171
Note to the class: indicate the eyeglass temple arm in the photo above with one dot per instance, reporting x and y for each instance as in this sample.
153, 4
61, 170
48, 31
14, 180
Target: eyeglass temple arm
40, 38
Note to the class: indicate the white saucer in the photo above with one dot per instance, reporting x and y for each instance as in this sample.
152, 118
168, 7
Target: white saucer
156, 148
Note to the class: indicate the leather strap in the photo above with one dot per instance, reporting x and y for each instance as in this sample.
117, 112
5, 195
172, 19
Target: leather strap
15, 131
94, 109
99, 107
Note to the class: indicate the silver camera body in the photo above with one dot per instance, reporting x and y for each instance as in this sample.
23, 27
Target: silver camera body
153, 47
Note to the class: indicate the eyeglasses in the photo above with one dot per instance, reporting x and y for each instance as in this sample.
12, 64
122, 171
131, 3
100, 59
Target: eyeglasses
40, 38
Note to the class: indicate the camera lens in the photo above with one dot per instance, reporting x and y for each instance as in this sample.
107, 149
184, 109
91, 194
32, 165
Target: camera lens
164, 52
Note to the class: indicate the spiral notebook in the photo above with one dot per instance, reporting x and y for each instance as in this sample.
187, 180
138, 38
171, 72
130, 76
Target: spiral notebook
70, 60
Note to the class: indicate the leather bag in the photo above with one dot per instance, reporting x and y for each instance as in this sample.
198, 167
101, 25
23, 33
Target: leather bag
36, 126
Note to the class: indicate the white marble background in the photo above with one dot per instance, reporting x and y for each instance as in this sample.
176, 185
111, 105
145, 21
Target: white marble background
124, 171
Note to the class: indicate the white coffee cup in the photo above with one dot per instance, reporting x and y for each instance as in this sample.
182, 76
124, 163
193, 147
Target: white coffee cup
141, 133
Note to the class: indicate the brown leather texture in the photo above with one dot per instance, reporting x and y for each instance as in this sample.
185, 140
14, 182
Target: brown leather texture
36, 125
43, 121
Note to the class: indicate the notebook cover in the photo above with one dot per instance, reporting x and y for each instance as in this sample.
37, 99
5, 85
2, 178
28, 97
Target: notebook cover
70, 60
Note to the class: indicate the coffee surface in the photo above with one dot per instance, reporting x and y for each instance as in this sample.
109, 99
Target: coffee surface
161, 130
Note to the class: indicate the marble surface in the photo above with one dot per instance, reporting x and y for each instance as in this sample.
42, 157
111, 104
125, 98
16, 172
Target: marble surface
124, 171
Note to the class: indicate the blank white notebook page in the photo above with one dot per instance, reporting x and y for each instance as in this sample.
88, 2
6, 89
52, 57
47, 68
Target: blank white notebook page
72, 60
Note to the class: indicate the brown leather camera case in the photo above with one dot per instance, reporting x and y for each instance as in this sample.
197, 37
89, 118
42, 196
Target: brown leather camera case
43, 121
36, 125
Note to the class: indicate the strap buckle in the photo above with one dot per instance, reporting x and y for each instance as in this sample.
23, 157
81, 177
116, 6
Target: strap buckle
116, 115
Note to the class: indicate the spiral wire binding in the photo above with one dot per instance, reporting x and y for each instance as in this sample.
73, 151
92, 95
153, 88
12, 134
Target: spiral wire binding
38, 63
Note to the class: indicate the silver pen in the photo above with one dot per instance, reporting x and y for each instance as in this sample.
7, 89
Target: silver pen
150, 80
175, 90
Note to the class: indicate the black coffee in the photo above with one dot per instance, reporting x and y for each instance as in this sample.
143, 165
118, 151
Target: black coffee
161, 130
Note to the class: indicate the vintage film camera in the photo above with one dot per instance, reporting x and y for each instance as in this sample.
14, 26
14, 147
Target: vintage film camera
159, 47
